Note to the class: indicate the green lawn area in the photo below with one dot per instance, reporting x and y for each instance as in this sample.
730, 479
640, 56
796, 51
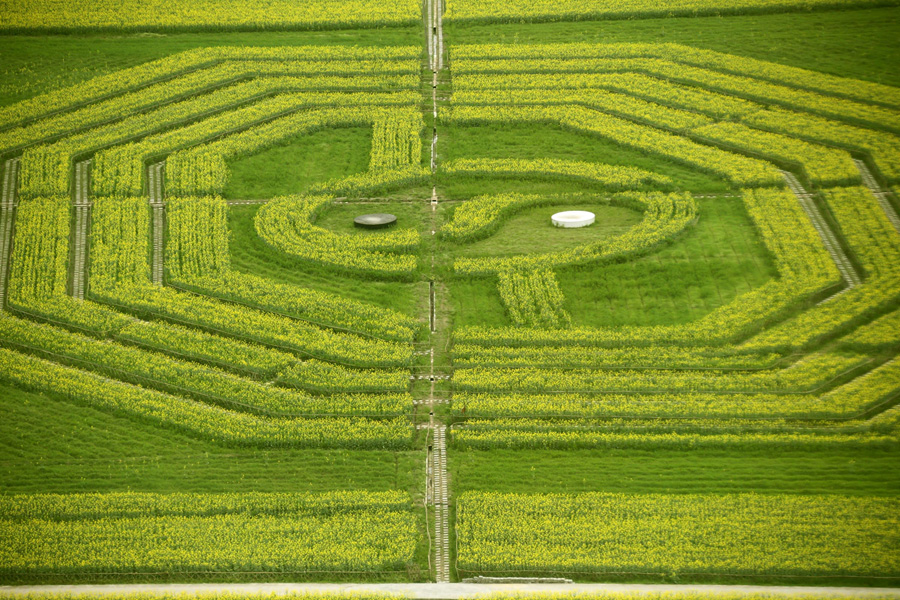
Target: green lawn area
410, 215
839, 471
290, 168
532, 228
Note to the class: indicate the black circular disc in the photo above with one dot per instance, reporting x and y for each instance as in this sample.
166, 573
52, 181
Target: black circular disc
375, 220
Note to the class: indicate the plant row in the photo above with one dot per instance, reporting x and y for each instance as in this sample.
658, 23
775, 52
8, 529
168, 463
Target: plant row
808, 374
199, 419
197, 257
881, 431
650, 100
876, 245
209, 15
669, 357
576, 74
119, 166
533, 298
866, 91
123, 81
849, 400
206, 383
207, 532
752, 534
270, 77
741, 170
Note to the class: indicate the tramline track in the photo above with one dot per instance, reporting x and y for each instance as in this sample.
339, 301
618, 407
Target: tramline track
7, 217
841, 261
437, 492
881, 195
155, 176
82, 227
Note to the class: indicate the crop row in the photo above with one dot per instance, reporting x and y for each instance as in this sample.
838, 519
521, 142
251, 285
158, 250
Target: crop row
287, 224
649, 100
258, 361
209, 15
739, 169
198, 247
38, 275
884, 331
38, 286
866, 91
596, 533
396, 139
804, 268
58, 507
846, 401
197, 258
98, 89
824, 166
876, 244
884, 148
251, 325
613, 177
272, 77
880, 431
533, 299
207, 532
576, 74
206, 383
217, 424
668, 357
203, 170
615, 103
119, 170
810, 373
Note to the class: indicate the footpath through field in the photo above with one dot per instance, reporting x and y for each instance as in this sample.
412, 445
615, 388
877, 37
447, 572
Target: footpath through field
448, 591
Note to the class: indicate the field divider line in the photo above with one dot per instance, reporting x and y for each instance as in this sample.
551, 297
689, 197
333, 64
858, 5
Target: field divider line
82, 206
829, 240
7, 220
155, 176
881, 195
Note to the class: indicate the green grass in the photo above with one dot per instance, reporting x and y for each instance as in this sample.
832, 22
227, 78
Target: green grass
49, 445
538, 140
839, 471
862, 44
710, 264
532, 229
290, 168
410, 215
250, 254
35, 64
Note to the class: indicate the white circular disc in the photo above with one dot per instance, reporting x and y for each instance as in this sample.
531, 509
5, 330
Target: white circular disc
573, 218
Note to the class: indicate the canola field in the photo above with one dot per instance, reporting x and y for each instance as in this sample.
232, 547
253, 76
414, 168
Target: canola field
210, 374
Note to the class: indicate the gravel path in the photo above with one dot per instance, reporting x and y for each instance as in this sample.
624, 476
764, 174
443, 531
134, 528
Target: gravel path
448, 591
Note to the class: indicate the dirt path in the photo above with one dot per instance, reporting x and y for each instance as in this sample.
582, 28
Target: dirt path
449, 591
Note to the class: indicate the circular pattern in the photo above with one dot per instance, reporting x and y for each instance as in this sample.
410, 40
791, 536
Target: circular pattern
375, 220
573, 218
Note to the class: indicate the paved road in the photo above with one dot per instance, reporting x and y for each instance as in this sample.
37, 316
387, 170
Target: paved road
447, 591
